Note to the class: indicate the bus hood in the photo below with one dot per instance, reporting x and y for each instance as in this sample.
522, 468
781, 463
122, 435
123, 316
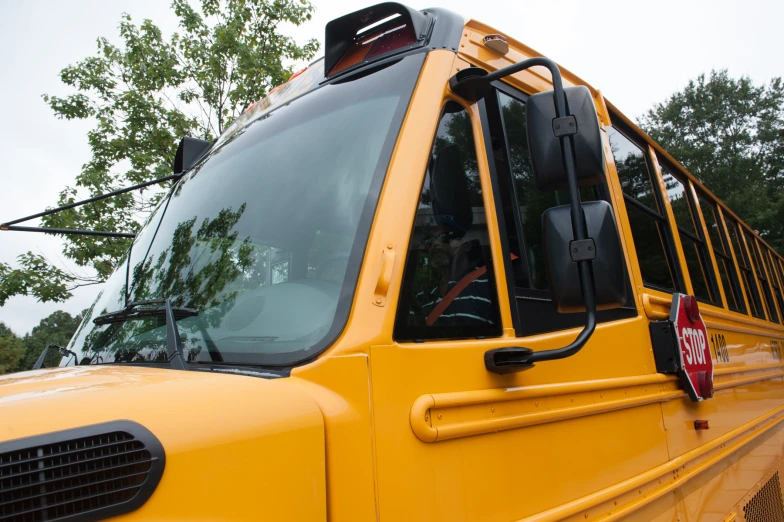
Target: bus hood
236, 446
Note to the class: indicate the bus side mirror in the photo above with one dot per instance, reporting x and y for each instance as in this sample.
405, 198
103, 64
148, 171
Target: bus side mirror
561, 252
189, 152
544, 139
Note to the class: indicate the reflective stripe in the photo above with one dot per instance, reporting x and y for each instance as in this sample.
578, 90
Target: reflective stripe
472, 316
473, 297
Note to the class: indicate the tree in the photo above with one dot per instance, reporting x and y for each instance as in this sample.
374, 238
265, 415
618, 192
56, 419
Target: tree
11, 349
143, 96
730, 134
57, 328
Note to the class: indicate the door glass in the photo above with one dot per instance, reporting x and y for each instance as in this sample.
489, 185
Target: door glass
449, 288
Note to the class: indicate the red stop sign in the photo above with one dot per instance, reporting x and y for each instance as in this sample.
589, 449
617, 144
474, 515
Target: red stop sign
696, 364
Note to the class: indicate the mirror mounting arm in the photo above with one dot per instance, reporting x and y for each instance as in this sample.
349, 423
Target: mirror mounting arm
11, 225
473, 85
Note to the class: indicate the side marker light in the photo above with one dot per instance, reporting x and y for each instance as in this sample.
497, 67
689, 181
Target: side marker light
692, 308
701, 425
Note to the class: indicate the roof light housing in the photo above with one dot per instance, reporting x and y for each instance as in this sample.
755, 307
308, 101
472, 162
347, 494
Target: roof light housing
371, 34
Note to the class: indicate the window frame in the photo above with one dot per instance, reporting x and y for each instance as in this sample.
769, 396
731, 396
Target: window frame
661, 217
505, 196
490, 264
764, 281
725, 255
698, 237
775, 279
754, 301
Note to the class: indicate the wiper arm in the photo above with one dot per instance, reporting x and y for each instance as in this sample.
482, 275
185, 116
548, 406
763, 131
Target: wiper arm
171, 313
42, 358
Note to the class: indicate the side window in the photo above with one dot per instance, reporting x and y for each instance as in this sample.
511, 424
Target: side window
749, 284
449, 288
772, 278
777, 279
648, 222
719, 243
759, 267
690, 231
521, 205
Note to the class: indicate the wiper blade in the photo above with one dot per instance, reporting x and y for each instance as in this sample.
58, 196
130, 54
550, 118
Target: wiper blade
132, 311
171, 313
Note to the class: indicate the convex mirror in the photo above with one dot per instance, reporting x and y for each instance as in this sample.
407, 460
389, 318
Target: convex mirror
560, 251
545, 145
609, 272
189, 152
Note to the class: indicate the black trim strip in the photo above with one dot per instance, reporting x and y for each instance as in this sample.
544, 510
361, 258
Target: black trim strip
499, 208
640, 206
690, 235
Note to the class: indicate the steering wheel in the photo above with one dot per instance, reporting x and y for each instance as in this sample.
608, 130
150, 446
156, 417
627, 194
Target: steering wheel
321, 268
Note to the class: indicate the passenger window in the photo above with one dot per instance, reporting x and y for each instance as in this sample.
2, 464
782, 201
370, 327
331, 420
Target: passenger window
690, 231
759, 267
729, 277
449, 288
521, 205
776, 279
749, 284
648, 223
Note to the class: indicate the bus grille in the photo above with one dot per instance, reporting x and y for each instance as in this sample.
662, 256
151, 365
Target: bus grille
86, 478
766, 505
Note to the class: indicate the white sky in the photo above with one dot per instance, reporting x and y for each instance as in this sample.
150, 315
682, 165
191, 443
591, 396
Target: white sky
636, 52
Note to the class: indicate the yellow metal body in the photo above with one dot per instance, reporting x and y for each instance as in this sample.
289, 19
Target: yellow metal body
375, 429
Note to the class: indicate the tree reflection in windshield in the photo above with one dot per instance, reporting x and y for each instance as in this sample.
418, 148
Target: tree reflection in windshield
265, 236
193, 272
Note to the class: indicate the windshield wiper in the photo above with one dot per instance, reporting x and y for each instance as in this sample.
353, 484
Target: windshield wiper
62, 351
171, 313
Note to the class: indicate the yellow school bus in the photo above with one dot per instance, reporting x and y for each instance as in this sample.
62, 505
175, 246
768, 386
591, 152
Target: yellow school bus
433, 277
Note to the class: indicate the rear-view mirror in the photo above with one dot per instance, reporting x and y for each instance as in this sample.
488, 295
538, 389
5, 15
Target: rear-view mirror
189, 152
544, 139
560, 251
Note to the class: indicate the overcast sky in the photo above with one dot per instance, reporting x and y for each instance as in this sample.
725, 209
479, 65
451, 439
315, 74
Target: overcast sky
637, 53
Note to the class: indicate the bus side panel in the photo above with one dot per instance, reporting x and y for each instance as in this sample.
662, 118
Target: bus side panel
340, 387
713, 494
514, 473
749, 387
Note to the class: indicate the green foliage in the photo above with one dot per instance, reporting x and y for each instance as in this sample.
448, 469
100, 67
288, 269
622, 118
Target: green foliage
35, 277
57, 328
730, 134
197, 270
144, 95
11, 349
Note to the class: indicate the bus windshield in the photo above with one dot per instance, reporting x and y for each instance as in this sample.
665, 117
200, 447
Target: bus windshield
264, 237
